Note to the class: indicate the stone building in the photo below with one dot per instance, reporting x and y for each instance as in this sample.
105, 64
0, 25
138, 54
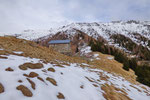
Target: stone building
62, 46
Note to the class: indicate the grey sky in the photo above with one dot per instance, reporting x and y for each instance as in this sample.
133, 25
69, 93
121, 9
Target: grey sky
17, 15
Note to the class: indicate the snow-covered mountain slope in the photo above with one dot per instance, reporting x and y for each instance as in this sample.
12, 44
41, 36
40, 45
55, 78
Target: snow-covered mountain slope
24, 78
106, 30
137, 31
35, 34
94, 29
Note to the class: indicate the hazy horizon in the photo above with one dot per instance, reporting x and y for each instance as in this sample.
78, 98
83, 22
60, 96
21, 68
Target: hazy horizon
19, 15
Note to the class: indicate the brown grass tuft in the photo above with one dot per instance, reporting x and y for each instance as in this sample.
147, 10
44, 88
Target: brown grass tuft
112, 94
32, 83
95, 85
136, 88
41, 79
51, 69
36, 66
26, 75
31, 66
33, 74
23, 67
9, 69
104, 77
51, 80
25, 91
20, 81
59, 65
60, 96
3, 57
90, 79
1, 88
81, 86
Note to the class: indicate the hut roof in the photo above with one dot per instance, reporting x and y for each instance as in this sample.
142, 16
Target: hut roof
59, 42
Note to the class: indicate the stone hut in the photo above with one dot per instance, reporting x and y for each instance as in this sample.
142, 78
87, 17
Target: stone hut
62, 46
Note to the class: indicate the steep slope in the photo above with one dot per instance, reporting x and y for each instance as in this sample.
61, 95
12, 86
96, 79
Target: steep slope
31, 72
137, 32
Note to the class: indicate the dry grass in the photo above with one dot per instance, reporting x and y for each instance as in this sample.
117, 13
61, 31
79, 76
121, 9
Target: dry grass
51, 80
112, 66
41, 79
51, 69
82, 86
113, 93
32, 83
33, 50
20, 81
60, 96
25, 91
136, 88
3, 57
31, 66
9, 69
1, 88
47, 55
33, 74
95, 85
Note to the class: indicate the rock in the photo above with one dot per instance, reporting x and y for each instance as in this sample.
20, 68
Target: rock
25, 91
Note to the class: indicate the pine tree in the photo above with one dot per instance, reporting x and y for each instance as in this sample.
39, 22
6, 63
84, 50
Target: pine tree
126, 65
133, 64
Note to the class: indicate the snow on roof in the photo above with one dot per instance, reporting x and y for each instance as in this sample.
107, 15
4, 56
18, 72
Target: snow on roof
58, 41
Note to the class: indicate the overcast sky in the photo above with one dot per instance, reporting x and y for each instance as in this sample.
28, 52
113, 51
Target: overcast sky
17, 15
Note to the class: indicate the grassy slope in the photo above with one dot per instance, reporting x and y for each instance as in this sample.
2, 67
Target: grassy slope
33, 50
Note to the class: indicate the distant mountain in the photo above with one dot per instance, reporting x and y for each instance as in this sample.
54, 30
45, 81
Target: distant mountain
130, 36
135, 30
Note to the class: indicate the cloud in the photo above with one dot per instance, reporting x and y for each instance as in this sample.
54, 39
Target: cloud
17, 15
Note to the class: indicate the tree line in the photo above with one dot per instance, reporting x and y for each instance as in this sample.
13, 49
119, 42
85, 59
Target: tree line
142, 72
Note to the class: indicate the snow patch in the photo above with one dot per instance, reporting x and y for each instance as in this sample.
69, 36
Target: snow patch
18, 52
110, 58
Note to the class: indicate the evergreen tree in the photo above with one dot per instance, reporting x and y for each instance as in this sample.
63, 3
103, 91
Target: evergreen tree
126, 65
133, 64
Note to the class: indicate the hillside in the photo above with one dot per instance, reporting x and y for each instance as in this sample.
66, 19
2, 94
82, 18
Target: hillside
29, 71
134, 30
133, 37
